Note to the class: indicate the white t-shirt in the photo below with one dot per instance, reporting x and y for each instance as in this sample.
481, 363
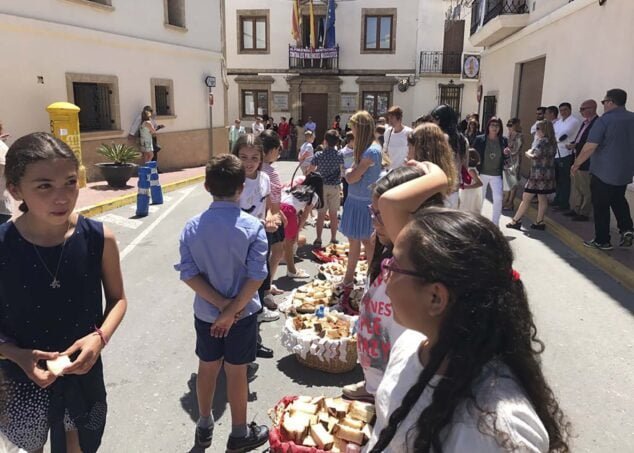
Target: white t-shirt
348, 157
253, 197
396, 146
6, 203
495, 390
289, 199
257, 128
307, 149
377, 331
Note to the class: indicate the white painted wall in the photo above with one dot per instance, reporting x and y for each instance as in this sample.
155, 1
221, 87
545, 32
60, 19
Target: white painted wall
132, 18
50, 50
588, 51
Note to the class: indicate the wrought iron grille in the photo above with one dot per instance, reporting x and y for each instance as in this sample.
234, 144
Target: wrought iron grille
482, 11
440, 62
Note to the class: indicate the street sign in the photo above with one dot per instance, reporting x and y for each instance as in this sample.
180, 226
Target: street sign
210, 81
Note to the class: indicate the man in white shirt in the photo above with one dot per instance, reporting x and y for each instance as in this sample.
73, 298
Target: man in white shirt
6, 203
539, 116
258, 126
395, 137
235, 132
310, 125
566, 129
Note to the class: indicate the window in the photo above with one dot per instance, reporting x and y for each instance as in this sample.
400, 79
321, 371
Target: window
255, 102
163, 97
376, 103
175, 13
378, 30
452, 96
489, 109
253, 31
94, 100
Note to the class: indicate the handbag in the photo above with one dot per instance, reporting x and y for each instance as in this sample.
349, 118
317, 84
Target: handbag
465, 176
302, 192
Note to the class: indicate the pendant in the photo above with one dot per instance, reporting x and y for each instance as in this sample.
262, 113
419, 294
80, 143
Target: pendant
55, 283
492, 156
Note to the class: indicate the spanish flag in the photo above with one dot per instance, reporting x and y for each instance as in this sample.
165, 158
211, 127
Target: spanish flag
295, 22
313, 34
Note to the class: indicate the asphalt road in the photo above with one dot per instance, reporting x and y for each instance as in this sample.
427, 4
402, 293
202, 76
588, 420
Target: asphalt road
583, 316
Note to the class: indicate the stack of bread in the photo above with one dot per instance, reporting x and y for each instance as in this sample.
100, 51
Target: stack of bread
331, 326
327, 424
307, 298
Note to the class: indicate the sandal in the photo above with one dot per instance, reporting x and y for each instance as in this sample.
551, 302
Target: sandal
515, 225
317, 243
301, 273
541, 226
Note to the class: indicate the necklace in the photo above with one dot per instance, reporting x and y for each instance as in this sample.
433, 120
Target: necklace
55, 283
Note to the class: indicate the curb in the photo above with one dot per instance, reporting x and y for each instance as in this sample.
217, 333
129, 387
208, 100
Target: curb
108, 205
618, 271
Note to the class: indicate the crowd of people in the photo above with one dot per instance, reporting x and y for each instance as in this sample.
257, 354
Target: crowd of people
458, 368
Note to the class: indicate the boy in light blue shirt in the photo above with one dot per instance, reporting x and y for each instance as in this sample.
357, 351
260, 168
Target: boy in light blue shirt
223, 259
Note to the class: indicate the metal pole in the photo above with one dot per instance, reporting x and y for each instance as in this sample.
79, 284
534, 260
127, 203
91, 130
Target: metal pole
211, 125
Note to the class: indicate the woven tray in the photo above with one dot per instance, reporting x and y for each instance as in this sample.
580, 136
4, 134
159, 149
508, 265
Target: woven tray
335, 366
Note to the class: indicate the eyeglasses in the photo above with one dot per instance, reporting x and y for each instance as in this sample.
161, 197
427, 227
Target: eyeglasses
605, 101
389, 266
581, 109
375, 215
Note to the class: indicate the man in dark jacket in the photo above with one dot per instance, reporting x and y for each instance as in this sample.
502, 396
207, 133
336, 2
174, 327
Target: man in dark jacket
581, 198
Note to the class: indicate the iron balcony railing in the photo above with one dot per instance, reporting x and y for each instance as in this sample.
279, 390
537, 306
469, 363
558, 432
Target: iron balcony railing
313, 59
482, 11
436, 62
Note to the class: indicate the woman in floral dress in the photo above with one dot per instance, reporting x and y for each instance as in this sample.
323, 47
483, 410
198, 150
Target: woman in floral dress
541, 181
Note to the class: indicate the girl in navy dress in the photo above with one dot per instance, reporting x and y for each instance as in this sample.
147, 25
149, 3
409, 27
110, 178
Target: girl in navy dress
53, 266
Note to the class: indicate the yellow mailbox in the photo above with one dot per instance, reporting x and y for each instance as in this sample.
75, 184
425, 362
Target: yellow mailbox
65, 126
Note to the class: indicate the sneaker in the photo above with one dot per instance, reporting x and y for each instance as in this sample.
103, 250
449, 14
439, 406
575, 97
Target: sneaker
357, 392
203, 436
258, 435
301, 273
597, 245
626, 239
268, 315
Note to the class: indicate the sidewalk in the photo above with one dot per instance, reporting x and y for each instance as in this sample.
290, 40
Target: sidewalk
619, 263
98, 197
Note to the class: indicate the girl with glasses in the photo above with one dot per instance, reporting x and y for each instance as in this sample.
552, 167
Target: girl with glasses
376, 329
474, 381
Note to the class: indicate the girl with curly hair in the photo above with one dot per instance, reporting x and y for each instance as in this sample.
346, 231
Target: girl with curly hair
474, 381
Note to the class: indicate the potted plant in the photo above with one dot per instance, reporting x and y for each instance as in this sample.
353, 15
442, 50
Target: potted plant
121, 168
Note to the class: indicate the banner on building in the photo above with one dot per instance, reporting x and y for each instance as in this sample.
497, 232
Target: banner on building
470, 67
307, 54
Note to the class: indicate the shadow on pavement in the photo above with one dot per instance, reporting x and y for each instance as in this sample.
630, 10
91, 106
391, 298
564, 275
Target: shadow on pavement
189, 401
308, 377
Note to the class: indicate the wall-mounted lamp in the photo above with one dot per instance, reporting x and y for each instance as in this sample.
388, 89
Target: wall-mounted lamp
40, 79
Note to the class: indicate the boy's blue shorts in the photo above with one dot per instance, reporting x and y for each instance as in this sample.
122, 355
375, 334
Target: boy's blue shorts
237, 348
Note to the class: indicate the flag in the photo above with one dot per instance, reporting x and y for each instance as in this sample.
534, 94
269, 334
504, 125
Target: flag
295, 19
330, 41
313, 37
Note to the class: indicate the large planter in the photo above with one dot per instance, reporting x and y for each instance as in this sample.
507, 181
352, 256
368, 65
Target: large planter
117, 175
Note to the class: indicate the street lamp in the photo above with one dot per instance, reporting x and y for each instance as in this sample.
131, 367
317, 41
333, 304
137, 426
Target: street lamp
210, 81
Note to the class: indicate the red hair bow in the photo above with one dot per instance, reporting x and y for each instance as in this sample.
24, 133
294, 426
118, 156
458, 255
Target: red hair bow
515, 275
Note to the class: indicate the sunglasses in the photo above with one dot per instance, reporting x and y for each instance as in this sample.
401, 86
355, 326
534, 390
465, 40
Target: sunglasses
375, 215
605, 101
389, 266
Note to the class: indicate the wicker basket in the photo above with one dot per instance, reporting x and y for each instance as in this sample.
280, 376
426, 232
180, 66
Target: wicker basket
335, 366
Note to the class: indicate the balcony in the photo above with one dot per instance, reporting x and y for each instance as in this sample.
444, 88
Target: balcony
434, 62
495, 20
307, 60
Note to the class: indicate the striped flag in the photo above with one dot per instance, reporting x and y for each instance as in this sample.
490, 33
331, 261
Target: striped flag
313, 34
295, 22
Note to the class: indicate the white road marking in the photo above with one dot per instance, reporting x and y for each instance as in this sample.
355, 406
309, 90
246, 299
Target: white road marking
137, 240
120, 220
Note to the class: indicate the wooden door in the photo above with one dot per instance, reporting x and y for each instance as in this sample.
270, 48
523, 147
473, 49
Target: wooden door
453, 45
529, 98
316, 105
